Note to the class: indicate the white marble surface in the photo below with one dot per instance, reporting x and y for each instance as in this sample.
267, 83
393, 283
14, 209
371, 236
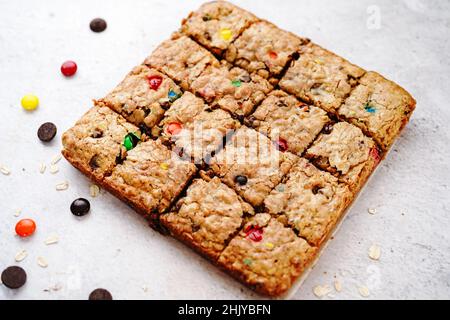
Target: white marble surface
114, 248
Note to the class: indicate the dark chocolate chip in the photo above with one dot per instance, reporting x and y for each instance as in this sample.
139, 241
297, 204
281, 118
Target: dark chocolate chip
46, 132
241, 180
98, 133
316, 189
93, 163
14, 277
327, 128
165, 105
100, 294
80, 207
98, 25
295, 56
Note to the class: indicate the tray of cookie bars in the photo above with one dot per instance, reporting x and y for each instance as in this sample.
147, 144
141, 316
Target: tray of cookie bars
244, 141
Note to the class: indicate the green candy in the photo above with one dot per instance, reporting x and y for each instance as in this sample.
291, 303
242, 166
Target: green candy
247, 261
131, 140
236, 83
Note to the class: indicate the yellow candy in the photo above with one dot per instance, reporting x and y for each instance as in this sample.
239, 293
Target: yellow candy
226, 34
164, 166
269, 245
29, 102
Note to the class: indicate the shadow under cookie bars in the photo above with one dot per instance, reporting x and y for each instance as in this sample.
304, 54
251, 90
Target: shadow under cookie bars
244, 141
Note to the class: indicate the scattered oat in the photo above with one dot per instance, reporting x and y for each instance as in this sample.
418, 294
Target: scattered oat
145, 288
42, 262
22, 254
374, 252
42, 168
52, 239
56, 159
62, 186
364, 291
321, 291
54, 169
338, 286
372, 210
94, 190
4, 170
55, 287
17, 212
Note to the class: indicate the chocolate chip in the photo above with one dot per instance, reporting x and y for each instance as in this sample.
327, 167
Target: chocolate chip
93, 163
165, 105
98, 133
98, 25
80, 207
14, 277
327, 128
46, 132
241, 180
316, 189
100, 294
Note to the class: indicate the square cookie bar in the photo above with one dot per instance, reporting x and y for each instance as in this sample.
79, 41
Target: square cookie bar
267, 256
252, 165
207, 217
231, 88
312, 201
196, 130
291, 124
265, 49
380, 107
95, 144
150, 178
217, 24
345, 152
321, 77
142, 97
182, 59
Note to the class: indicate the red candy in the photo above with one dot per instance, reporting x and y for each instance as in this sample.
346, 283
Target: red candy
155, 82
273, 54
25, 227
281, 144
174, 128
375, 154
69, 68
254, 233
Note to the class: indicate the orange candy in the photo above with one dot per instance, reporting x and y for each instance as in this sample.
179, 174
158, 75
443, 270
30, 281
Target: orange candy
25, 227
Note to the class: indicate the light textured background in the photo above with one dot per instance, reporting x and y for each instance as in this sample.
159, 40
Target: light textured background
114, 248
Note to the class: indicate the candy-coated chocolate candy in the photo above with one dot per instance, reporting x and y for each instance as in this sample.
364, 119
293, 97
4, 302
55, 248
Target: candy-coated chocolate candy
98, 25
80, 207
247, 261
241, 180
25, 227
369, 108
172, 96
164, 166
236, 83
226, 34
69, 68
273, 55
130, 141
174, 128
254, 233
375, 154
29, 102
155, 81
281, 145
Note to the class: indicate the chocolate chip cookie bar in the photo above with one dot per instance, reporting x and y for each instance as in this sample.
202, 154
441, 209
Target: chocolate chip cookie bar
292, 125
95, 144
267, 256
380, 107
252, 165
265, 49
345, 152
311, 200
231, 88
195, 128
208, 216
150, 178
182, 59
142, 97
321, 77
215, 25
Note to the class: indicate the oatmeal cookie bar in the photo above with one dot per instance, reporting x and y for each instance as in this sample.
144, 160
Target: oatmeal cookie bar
142, 97
344, 151
231, 88
195, 128
150, 178
182, 59
95, 144
252, 165
207, 216
312, 200
379, 107
217, 24
290, 124
267, 256
321, 77
265, 49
